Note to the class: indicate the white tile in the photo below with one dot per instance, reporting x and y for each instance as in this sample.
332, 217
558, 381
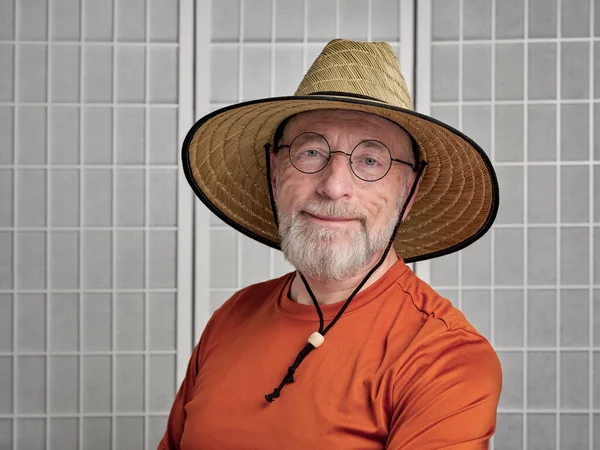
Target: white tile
65, 20
7, 54
162, 193
31, 259
130, 128
64, 146
96, 326
164, 15
64, 259
97, 257
161, 382
97, 21
31, 135
131, 78
163, 75
96, 387
31, 388
97, 73
163, 259
257, 21
32, 16
131, 20
64, 200
31, 323
129, 259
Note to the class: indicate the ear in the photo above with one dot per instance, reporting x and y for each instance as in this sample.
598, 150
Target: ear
412, 200
274, 164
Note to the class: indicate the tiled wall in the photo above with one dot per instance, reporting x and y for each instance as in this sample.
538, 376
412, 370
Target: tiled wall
88, 225
262, 48
519, 76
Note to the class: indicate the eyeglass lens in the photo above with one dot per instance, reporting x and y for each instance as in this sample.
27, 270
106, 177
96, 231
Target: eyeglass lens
369, 160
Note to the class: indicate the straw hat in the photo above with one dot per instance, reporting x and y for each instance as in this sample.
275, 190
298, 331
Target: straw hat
225, 162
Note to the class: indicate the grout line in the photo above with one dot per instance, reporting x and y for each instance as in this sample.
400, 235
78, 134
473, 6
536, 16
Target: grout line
591, 234
558, 220
15, 372
525, 233
525, 40
542, 287
113, 382
59, 103
131, 414
88, 166
574, 101
90, 228
145, 440
89, 291
82, 58
47, 174
94, 353
90, 43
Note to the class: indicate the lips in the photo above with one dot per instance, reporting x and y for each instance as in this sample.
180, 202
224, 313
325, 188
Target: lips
330, 218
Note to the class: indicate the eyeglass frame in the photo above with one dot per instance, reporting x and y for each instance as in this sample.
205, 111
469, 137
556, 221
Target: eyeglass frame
349, 155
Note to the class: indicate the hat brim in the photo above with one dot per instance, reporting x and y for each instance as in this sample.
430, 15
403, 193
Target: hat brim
224, 162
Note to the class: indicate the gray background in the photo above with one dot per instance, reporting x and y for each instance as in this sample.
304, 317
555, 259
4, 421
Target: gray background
520, 78
88, 195
88, 170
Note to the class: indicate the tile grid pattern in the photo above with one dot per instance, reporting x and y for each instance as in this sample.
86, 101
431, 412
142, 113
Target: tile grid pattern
519, 76
87, 223
262, 48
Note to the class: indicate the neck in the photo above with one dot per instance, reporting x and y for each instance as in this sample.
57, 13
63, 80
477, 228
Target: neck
334, 291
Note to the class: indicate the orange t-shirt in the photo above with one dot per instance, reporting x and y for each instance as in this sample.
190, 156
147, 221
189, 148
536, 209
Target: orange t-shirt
402, 369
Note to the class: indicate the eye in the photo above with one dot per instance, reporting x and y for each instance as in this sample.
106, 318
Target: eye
369, 161
310, 152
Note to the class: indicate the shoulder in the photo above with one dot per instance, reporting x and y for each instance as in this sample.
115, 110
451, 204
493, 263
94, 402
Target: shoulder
447, 343
251, 297
439, 311
246, 302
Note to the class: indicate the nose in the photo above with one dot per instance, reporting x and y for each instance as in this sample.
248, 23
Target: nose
337, 180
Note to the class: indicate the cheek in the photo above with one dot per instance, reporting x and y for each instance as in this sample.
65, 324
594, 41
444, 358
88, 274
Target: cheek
293, 188
381, 207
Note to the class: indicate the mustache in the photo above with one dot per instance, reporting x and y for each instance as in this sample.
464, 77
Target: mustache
337, 210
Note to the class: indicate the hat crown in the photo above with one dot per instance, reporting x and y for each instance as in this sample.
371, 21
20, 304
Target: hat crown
367, 69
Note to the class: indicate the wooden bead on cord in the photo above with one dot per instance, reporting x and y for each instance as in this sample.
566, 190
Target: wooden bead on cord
316, 339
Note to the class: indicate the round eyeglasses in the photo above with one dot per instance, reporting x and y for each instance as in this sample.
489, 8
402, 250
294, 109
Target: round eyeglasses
370, 160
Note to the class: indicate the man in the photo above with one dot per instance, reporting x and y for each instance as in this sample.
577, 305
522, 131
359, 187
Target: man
350, 183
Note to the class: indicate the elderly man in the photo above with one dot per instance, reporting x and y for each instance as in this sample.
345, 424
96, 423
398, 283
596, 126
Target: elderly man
352, 350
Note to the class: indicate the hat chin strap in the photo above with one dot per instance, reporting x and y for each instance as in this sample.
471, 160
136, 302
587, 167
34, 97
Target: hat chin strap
289, 377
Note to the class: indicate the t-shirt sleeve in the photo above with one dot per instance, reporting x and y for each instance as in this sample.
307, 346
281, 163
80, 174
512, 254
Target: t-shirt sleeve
175, 424
446, 396
176, 421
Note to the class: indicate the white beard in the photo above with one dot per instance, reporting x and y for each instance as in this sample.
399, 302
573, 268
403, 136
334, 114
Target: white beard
324, 253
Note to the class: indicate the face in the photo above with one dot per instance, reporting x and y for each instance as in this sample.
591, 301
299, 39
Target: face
332, 224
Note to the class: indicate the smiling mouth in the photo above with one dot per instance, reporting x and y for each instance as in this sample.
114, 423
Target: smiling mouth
330, 219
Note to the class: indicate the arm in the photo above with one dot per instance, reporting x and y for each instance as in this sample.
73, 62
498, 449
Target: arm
446, 395
175, 425
176, 422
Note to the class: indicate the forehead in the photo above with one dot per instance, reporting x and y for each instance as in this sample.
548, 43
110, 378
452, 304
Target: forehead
355, 126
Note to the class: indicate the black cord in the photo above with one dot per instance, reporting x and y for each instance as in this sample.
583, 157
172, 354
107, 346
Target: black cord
289, 376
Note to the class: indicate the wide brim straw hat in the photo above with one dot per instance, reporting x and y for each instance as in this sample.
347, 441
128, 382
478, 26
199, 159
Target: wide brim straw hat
225, 162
